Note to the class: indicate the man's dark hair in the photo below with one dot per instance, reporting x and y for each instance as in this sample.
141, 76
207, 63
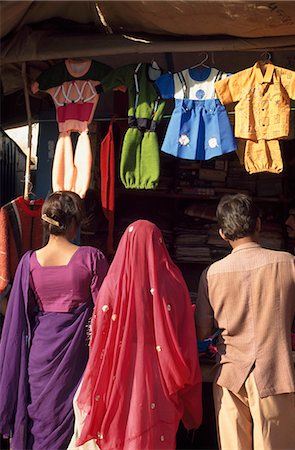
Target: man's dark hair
237, 216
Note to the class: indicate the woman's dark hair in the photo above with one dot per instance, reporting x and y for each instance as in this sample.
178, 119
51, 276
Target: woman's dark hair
60, 211
237, 216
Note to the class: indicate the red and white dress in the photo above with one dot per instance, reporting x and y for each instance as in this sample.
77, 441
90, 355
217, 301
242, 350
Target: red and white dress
72, 85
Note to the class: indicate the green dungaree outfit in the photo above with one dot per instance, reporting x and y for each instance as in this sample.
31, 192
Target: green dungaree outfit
140, 161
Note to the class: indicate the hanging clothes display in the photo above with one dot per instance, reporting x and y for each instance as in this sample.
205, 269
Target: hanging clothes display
20, 230
74, 88
139, 164
199, 128
262, 113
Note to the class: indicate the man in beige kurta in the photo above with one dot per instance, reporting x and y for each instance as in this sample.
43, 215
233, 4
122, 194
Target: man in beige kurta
250, 296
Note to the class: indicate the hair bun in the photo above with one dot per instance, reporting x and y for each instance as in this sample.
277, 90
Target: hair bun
65, 208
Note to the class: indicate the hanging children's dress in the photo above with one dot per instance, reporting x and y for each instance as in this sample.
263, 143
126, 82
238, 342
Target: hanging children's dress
73, 86
199, 128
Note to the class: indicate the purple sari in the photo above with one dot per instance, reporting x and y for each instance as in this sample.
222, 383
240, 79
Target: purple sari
42, 358
14, 360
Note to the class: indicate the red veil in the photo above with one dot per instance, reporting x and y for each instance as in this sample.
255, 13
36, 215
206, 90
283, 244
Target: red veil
143, 373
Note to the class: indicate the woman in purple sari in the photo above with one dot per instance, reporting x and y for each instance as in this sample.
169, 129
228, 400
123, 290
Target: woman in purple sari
44, 348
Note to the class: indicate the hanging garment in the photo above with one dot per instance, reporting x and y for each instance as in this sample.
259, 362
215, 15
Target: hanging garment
143, 374
44, 347
107, 180
262, 113
72, 85
21, 229
74, 88
260, 156
199, 127
140, 163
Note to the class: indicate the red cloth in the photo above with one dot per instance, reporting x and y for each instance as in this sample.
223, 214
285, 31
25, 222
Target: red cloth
74, 111
107, 175
143, 373
20, 230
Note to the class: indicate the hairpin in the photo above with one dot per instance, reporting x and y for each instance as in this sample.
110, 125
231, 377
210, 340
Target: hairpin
49, 220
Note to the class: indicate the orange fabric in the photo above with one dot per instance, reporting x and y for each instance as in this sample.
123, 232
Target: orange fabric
107, 176
261, 156
262, 113
263, 107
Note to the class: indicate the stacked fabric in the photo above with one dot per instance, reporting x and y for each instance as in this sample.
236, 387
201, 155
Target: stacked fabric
190, 240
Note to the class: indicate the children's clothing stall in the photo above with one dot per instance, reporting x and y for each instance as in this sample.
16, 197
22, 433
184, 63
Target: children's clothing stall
160, 129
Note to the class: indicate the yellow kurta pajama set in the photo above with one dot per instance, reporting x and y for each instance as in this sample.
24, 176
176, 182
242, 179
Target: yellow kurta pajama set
262, 113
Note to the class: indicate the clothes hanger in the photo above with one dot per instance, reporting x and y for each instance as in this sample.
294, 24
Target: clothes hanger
155, 65
31, 198
201, 63
78, 60
265, 57
154, 70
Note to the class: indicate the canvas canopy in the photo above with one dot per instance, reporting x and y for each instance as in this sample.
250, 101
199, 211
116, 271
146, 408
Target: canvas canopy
41, 32
177, 18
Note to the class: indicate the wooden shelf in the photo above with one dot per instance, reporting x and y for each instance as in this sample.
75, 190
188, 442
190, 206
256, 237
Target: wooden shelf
193, 196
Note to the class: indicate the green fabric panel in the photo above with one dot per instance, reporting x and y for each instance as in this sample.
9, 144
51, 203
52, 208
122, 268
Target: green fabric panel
130, 158
147, 92
140, 161
58, 74
122, 76
149, 161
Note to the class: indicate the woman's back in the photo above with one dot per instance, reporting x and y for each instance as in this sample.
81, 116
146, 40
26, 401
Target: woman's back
44, 345
143, 374
60, 288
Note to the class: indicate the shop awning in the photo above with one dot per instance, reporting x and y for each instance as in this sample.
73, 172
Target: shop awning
170, 18
40, 31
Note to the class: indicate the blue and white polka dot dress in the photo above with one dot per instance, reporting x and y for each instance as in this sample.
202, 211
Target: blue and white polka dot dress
199, 128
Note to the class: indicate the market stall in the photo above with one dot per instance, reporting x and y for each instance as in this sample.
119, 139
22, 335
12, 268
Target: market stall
160, 52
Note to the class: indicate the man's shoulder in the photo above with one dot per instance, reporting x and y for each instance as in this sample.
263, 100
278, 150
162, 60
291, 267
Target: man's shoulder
220, 265
278, 255
235, 262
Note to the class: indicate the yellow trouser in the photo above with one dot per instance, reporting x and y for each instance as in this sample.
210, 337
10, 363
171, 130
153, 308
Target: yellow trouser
261, 156
247, 422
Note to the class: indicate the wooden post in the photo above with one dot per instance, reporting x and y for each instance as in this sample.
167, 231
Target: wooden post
27, 188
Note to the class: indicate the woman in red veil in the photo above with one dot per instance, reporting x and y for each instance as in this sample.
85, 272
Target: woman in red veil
143, 374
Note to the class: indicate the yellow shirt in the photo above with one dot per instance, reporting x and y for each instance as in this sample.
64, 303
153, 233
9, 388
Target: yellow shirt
263, 94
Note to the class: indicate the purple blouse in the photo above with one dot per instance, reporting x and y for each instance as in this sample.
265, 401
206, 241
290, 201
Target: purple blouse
62, 288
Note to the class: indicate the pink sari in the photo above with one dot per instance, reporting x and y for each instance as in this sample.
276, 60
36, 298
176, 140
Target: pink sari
143, 374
